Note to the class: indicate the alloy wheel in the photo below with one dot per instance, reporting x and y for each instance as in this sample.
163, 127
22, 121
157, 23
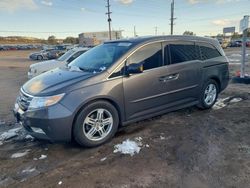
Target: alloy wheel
210, 94
97, 124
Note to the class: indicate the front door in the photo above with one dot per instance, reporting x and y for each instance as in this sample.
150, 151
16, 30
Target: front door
143, 91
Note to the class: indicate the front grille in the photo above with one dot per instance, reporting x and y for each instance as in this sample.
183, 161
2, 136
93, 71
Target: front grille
24, 100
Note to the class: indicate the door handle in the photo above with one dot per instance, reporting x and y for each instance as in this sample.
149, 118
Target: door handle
168, 77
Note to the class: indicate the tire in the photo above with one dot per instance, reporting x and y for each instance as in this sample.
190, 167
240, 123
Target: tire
39, 57
96, 124
209, 94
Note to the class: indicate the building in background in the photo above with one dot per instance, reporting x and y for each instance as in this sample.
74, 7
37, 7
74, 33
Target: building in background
96, 38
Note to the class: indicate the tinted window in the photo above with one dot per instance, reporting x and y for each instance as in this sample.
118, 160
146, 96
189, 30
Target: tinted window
208, 51
182, 51
149, 56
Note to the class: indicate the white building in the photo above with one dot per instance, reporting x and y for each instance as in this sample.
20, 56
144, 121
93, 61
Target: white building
95, 38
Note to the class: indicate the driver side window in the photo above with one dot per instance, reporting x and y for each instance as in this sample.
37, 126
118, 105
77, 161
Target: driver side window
150, 56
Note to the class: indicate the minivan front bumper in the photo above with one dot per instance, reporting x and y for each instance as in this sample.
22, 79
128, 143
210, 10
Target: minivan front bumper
53, 123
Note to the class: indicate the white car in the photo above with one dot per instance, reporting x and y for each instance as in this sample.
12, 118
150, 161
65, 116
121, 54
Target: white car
64, 60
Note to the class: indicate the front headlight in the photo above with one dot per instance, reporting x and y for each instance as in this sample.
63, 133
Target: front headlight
40, 102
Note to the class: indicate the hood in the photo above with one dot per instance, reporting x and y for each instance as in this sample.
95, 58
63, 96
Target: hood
44, 63
51, 81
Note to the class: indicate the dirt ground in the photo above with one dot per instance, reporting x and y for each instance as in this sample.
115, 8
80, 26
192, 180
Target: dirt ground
189, 148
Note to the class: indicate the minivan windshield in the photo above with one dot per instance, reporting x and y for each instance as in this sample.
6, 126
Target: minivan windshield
101, 57
66, 55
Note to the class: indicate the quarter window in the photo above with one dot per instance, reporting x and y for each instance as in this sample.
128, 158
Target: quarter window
208, 51
149, 56
182, 51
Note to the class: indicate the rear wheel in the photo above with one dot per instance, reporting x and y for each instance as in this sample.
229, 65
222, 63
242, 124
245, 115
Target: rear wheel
209, 94
96, 124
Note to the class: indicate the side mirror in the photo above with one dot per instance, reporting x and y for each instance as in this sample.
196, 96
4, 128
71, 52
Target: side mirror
135, 68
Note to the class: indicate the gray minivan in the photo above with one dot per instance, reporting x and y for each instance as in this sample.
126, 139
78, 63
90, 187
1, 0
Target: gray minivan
120, 82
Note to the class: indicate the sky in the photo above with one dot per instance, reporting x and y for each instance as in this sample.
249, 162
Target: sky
62, 18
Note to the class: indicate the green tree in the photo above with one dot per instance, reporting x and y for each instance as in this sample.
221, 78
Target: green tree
52, 39
71, 40
188, 33
236, 35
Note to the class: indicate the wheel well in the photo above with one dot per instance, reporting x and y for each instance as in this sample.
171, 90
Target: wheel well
101, 99
217, 81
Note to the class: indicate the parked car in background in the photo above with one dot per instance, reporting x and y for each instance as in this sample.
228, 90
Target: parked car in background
40, 55
44, 66
235, 44
248, 44
120, 82
54, 54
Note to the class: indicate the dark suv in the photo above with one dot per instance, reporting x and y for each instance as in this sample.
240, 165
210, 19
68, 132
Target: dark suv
120, 82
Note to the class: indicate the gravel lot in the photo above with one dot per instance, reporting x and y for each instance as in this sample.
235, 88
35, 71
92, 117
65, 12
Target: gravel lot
188, 148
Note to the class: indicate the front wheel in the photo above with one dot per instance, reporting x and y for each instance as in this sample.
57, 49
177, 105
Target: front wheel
96, 124
39, 57
209, 94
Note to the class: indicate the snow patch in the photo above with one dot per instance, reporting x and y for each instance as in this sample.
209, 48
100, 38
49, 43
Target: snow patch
60, 183
103, 159
28, 170
139, 139
220, 103
234, 100
10, 134
29, 137
128, 147
43, 157
20, 154
162, 137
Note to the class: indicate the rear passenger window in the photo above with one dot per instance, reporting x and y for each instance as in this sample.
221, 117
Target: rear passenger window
182, 51
150, 56
208, 51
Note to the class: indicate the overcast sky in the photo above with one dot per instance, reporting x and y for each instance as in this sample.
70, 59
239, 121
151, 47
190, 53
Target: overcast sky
42, 18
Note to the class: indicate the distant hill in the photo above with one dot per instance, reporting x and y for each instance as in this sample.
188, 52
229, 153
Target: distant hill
20, 40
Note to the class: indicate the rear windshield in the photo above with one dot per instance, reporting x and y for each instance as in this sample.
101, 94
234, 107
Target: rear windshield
101, 57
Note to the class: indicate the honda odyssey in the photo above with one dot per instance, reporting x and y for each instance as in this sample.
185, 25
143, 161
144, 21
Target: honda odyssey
120, 82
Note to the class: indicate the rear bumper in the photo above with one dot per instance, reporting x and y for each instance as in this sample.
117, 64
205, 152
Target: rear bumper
53, 123
225, 79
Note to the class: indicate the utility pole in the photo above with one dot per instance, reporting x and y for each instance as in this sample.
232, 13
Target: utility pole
172, 18
135, 31
244, 39
156, 30
109, 19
